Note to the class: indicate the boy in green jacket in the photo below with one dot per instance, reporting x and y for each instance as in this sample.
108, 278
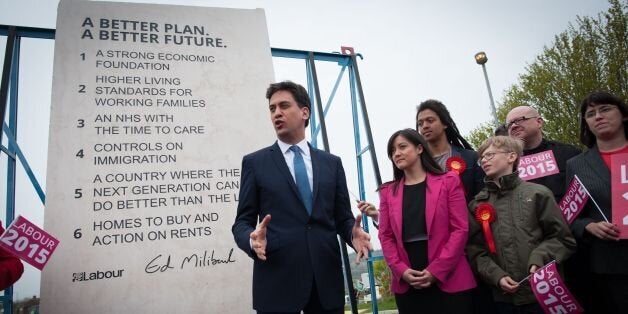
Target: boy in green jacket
515, 227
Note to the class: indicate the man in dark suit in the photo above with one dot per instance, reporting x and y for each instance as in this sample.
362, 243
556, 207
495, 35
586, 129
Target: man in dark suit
301, 194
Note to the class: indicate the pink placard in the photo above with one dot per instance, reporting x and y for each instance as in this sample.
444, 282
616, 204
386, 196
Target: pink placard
537, 165
619, 192
29, 242
574, 200
551, 293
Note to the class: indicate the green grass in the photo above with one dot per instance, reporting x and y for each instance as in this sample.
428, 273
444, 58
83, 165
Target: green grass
383, 304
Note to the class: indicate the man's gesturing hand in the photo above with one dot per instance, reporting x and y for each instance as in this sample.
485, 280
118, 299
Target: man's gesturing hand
258, 238
361, 240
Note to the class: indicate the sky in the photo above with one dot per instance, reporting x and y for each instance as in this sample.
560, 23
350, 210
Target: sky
413, 51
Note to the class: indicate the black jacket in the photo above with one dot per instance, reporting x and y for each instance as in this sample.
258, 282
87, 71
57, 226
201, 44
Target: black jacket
473, 177
606, 257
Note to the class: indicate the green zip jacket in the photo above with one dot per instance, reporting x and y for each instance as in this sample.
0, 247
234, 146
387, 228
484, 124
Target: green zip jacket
529, 230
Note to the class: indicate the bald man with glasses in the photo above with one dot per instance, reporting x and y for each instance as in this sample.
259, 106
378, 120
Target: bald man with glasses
526, 124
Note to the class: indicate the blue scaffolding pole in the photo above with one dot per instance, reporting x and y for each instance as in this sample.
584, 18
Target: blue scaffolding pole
9, 98
347, 62
9, 79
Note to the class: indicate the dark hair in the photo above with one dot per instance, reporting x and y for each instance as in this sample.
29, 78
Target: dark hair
427, 161
453, 135
501, 130
298, 92
599, 97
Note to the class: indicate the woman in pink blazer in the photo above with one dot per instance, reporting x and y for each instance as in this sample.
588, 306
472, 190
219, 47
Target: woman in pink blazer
423, 228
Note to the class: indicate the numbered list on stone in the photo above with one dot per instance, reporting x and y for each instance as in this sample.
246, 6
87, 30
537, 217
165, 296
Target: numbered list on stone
153, 108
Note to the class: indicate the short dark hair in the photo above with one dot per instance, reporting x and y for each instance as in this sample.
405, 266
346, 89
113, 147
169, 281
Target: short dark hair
501, 130
298, 92
599, 97
428, 162
453, 135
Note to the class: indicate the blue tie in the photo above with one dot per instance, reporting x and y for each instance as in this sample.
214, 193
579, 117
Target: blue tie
300, 175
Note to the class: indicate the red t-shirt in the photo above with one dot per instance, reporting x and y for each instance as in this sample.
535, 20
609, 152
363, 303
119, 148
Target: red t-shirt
606, 156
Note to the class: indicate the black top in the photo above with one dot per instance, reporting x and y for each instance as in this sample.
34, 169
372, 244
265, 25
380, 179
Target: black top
562, 152
414, 227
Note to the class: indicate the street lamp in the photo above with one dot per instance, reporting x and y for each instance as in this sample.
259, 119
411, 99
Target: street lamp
480, 58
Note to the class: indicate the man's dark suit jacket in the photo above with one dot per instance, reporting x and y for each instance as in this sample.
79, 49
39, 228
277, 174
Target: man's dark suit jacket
301, 249
606, 257
473, 177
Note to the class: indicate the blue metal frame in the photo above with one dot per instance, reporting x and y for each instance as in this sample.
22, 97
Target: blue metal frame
317, 120
9, 129
317, 128
17, 152
355, 100
12, 91
358, 145
29, 32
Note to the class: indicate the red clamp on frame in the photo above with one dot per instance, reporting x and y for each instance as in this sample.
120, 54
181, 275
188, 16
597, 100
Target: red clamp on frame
345, 50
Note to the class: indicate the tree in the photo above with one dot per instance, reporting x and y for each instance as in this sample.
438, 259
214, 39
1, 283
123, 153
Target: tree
588, 56
383, 277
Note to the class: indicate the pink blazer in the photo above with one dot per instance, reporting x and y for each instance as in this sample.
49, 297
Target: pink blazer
446, 218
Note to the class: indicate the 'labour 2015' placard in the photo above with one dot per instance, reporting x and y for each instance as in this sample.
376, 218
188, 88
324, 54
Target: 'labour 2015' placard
551, 293
574, 200
29, 242
537, 165
619, 193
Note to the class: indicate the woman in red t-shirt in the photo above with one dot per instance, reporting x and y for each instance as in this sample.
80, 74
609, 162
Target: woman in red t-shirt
604, 129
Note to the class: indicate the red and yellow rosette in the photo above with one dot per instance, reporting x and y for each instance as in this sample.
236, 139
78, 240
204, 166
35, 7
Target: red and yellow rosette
485, 215
456, 164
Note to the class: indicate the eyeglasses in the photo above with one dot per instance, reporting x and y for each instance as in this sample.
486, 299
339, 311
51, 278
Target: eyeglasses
518, 121
490, 155
602, 110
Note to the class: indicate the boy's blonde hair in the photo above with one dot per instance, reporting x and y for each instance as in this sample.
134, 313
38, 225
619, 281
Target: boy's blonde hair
504, 143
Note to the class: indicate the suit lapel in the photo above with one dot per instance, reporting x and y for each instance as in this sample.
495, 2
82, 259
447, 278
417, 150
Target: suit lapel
432, 194
595, 162
397, 207
316, 166
455, 151
277, 156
